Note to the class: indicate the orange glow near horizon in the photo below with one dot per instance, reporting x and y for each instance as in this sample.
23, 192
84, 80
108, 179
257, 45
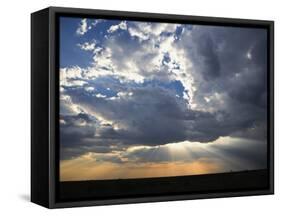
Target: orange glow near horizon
85, 169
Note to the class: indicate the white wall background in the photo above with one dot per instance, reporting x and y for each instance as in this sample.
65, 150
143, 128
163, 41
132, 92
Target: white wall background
15, 106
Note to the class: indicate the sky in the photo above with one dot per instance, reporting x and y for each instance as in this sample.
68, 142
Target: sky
148, 99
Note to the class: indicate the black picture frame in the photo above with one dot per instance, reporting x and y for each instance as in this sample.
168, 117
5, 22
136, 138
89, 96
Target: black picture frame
45, 185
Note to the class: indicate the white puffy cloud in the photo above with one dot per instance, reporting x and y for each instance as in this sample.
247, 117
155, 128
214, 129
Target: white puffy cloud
137, 61
71, 76
87, 46
122, 25
83, 27
144, 31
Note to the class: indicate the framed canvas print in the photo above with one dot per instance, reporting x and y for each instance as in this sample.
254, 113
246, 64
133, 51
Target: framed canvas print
139, 107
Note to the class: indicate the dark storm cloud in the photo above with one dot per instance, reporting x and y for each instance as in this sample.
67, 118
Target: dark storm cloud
227, 50
251, 86
209, 58
153, 116
258, 131
72, 130
251, 152
242, 81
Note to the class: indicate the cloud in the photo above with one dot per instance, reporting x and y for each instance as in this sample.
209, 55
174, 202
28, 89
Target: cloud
210, 61
83, 27
87, 46
139, 60
122, 25
236, 80
144, 31
152, 116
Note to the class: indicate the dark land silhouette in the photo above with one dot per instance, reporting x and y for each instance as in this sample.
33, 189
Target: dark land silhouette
221, 182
